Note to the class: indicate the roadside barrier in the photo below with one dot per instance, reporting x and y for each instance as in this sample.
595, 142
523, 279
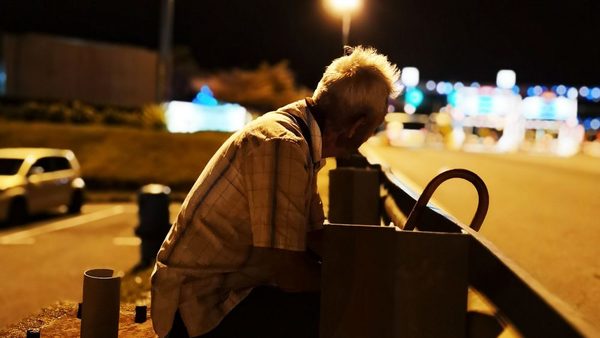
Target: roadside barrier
372, 271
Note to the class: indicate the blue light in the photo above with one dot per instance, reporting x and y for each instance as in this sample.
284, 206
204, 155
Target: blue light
452, 98
475, 84
485, 104
548, 112
2, 81
448, 87
595, 93
205, 97
530, 91
561, 90
516, 89
413, 96
587, 124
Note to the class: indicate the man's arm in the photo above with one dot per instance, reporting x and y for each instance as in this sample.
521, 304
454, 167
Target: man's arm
278, 178
291, 271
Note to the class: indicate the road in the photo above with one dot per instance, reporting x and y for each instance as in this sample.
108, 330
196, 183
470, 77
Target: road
544, 212
43, 262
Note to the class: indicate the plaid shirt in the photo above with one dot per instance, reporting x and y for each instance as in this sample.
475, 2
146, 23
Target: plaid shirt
259, 190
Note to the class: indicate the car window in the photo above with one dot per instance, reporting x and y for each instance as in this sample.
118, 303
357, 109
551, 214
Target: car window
45, 163
10, 166
413, 125
54, 163
61, 163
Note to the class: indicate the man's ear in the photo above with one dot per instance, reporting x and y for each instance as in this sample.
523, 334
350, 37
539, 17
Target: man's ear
356, 126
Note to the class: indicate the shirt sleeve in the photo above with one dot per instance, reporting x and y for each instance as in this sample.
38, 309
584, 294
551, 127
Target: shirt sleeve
278, 185
317, 214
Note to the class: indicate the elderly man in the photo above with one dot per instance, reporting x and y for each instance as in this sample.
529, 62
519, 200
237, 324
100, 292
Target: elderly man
235, 263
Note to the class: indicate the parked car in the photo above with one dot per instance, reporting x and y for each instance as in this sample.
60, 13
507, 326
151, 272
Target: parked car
33, 180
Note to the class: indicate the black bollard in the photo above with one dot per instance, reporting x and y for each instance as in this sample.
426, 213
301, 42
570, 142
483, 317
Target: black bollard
153, 213
141, 313
33, 333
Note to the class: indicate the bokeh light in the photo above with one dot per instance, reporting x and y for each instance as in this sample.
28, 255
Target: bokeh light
430, 85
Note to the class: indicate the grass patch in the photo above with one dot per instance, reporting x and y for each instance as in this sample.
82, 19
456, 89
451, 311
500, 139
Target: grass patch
135, 287
121, 157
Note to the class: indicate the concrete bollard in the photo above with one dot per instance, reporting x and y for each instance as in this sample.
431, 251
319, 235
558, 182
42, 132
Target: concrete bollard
101, 304
154, 221
354, 192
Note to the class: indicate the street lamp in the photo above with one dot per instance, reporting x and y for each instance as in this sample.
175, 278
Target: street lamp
345, 8
164, 61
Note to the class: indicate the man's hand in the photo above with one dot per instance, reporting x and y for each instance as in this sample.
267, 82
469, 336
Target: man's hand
314, 241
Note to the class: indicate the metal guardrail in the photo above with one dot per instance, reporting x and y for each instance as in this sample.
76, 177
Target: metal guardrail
518, 298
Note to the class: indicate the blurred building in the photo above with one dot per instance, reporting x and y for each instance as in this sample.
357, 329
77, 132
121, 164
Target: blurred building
48, 67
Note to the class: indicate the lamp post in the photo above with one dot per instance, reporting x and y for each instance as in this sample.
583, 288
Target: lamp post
345, 8
164, 62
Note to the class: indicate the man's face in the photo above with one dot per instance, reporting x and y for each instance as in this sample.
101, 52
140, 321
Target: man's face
346, 144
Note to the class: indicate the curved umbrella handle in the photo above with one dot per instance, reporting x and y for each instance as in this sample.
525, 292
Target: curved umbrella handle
421, 204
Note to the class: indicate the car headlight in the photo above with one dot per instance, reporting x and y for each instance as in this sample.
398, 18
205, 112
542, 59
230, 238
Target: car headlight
78, 183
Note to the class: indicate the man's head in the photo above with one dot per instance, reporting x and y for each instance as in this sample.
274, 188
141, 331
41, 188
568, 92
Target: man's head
352, 99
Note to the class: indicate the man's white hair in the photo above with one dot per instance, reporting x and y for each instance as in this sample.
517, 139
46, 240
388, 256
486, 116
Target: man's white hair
353, 85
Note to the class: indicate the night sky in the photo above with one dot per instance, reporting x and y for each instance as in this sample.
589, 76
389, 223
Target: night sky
545, 42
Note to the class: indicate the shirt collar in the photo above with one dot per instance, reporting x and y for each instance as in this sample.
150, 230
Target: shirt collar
303, 111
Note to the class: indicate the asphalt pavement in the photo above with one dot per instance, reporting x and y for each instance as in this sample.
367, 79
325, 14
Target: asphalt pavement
43, 262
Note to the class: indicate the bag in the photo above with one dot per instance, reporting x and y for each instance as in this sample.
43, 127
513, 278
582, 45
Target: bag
384, 282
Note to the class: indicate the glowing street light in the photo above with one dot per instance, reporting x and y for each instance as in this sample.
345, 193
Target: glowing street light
345, 8
506, 79
410, 76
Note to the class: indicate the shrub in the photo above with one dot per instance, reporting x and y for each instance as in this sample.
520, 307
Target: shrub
82, 113
56, 112
32, 111
266, 88
151, 116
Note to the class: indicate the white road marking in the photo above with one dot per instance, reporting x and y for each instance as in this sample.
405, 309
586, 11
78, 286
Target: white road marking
21, 241
27, 236
127, 241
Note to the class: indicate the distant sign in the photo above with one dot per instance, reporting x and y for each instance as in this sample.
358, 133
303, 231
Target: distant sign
485, 101
549, 108
187, 117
